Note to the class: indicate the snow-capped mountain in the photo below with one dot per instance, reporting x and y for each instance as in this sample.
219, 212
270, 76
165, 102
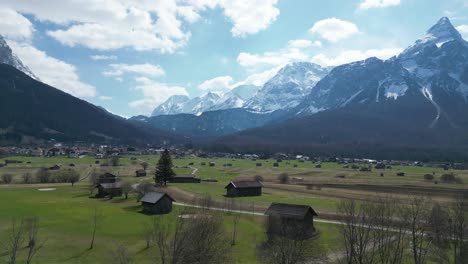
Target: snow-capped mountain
235, 98
411, 106
182, 104
8, 57
435, 68
173, 105
287, 88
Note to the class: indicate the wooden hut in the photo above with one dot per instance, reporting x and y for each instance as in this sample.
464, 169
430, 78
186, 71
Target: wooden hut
291, 220
109, 189
243, 188
140, 173
157, 203
189, 178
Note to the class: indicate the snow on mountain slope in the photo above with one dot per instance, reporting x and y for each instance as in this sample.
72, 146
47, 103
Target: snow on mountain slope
287, 88
8, 57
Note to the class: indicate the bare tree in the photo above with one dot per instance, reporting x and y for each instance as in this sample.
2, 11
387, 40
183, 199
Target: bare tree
439, 228
14, 240
7, 178
126, 188
34, 245
144, 165
147, 234
120, 254
416, 216
73, 177
458, 228
94, 225
371, 231
389, 231
27, 178
235, 222
143, 188
200, 239
287, 245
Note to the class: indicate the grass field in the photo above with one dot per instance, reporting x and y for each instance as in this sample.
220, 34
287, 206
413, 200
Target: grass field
65, 214
65, 220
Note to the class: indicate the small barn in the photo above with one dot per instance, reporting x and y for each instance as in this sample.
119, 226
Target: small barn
107, 178
140, 173
109, 189
291, 220
243, 188
156, 203
189, 178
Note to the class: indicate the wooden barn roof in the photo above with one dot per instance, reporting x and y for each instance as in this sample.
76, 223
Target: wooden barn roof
290, 210
154, 197
244, 184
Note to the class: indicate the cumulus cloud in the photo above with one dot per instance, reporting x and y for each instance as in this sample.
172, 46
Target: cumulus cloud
105, 98
259, 79
249, 16
220, 83
334, 29
52, 71
154, 93
139, 25
463, 29
303, 43
13, 25
367, 4
143, 69
103, 57
355, 55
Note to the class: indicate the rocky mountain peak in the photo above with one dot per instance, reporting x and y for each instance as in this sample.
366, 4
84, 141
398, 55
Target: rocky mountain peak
8, 57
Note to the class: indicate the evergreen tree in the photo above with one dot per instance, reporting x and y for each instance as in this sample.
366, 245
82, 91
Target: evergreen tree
164, 170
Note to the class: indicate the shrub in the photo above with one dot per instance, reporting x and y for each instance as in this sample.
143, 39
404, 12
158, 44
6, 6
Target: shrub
7, 178
401, 174
43, 175
258, 178
428, 177
283, 178
448, 177
27, 178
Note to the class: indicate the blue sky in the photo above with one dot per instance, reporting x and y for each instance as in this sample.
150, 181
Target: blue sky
129, 56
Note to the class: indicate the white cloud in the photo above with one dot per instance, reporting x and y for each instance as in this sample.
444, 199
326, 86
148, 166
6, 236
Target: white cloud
463, 29
259, 79
250, 16
303, 43
143, 69
140, 25
103, 57
105, 98
14, 25
52, 71
220, 83
246, 59
355, 55
334, 29
154, 93
367, 4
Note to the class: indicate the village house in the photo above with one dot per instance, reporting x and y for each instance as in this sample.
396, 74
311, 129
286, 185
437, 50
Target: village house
189, 178
140, 173
291, 220
157, 203
109, 189
243, 188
